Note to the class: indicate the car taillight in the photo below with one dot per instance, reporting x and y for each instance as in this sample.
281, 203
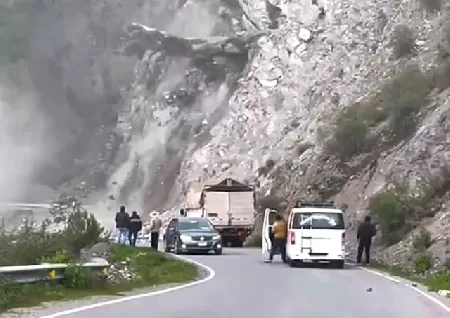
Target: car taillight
292, 238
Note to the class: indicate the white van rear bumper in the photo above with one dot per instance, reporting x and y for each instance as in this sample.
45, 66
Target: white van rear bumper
317, 258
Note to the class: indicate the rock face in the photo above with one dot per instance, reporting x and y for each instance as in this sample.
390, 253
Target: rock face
221, 88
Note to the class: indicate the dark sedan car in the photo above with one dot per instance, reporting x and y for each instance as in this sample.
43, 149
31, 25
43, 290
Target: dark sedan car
192, 234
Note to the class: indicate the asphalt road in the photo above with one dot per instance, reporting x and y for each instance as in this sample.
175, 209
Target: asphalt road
243, 286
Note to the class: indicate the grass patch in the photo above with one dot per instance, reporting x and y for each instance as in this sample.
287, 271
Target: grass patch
153, 267
150, 268
434, 282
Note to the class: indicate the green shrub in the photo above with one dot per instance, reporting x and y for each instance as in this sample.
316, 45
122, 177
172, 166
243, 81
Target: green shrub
422, 241
423, 262
350, 135
402, 97
440, 280
82, 230
62, 256
31, 245
440, 75
78, 277
391, 211
398, 101
404, 41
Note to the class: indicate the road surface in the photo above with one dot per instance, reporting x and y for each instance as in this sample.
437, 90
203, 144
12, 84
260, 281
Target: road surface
243, 286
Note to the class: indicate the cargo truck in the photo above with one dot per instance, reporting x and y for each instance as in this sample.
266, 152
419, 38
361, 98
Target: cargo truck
230, 207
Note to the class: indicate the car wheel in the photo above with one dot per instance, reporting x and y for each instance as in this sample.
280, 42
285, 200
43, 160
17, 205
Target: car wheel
218, 251
176, 248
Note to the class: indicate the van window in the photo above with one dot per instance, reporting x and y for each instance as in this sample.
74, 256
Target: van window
272, 217
318, 221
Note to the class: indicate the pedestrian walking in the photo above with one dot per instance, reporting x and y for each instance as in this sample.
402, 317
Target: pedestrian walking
366, 231
122, 224
134, 226
155, 227
279, 231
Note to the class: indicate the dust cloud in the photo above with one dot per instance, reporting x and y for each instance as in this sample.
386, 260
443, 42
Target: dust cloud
24, 145
157, 151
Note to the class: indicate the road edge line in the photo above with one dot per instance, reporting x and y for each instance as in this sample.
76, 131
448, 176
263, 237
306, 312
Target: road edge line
211, 274
429, 296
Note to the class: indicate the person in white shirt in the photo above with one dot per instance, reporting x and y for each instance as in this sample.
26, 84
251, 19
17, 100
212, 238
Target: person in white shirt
155, 227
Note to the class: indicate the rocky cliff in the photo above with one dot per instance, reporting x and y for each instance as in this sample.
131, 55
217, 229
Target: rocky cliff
342, 100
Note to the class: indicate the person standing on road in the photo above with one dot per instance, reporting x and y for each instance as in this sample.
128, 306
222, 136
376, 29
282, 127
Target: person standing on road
122, 224
155, 227
182, 212
279, 238
134, 227
366, 231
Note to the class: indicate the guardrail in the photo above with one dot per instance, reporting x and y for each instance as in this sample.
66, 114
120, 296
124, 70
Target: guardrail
44, 272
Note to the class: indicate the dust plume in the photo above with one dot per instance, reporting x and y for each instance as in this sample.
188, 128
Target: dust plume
23, 143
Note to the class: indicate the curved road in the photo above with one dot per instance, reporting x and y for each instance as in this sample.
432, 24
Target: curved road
243, 286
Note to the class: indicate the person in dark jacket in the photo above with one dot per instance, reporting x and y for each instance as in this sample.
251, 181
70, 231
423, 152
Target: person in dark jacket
366, 231
134, 227
182, 212
122, 223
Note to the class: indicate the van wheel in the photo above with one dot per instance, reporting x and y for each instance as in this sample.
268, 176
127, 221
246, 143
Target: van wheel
338, 264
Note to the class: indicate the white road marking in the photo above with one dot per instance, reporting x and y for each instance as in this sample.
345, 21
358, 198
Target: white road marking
211, 274
425, 294
381, 274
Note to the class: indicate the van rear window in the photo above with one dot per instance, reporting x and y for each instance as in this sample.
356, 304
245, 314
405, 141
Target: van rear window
318, 221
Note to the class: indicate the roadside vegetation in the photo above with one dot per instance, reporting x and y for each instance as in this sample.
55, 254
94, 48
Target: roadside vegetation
397, 213
389, 116
434, 282
131, 267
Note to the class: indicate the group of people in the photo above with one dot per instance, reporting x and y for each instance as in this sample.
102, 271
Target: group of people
279, 231
129, 226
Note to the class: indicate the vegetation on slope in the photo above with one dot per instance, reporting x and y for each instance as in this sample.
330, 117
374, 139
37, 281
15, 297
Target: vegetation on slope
31, 245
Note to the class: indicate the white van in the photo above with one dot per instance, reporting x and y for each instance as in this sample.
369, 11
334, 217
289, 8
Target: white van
316, 233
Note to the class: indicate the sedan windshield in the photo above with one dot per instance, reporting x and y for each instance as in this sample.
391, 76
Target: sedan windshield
195, 225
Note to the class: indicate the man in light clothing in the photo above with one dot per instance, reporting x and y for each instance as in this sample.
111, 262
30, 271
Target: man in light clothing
155, 227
